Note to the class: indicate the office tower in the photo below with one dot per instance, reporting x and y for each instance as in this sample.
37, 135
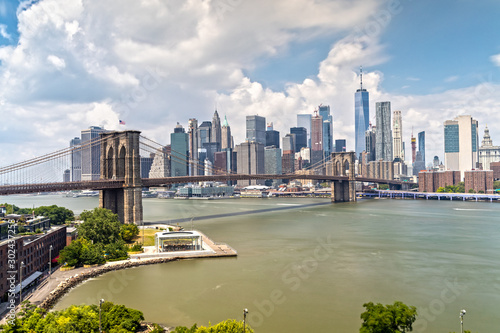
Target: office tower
419, 164
160, 168
208, 168
487, 152
435, 162
413, 148
316, 138
220, 162
421, 145
146, 163
272, 163
250, 160
204, 134
193, 146
272, 136
461, 144
256, 129
226, 138
91, 153
300, 137
361, 116
383, 146
216, 129
370, 143
202, 156
324, 112
67, 176
340, 145
304, 120
76, 159
397, 131
179, 141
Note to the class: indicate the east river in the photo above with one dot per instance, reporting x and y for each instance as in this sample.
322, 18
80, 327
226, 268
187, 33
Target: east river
310, 269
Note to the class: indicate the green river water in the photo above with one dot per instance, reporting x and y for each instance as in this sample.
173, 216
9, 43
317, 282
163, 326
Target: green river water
310, 269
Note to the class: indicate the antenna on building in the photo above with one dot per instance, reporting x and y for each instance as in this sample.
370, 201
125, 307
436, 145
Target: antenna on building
361, 76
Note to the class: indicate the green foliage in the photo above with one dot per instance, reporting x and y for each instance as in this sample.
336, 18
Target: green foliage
496, 184
117, 250
383, 187
83, 318
100, 226
81, 252
136, 248
471, 190
57, 215
440, 190
387, 319
460, 188
13, 209
227, 326
128, 232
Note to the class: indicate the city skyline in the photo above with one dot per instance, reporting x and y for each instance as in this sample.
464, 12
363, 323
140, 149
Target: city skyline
60, 73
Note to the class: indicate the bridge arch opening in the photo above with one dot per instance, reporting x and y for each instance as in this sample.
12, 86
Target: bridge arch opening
120, 168
109, 170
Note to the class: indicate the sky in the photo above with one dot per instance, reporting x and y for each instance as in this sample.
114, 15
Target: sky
66, 65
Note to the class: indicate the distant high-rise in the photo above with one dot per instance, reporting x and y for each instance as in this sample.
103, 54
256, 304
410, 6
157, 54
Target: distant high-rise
256, 129
272, 162
421, 145
304, 120
397, 131
316, 138
226, 138
272, 136
204, 134
179, 141
216, 128
250, 160
91, 153
193, 146
413, 148
76, 160
160, 167
361, 116
461, 144
324, 112
383, 146
67, 176
340, 145
487, 152
300, 137
146, 164
370, 143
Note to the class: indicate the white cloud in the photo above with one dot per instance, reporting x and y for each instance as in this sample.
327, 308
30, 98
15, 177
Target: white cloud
4, 33
495, 59
57, 62
452, 78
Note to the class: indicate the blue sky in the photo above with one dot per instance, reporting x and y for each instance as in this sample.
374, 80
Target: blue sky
72, 64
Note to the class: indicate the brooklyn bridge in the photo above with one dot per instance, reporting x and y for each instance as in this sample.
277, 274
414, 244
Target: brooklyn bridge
121, 185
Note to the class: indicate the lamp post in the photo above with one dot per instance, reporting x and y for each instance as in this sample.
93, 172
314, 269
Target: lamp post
462, 314
245, 311
100, 303
21, 282
50, 261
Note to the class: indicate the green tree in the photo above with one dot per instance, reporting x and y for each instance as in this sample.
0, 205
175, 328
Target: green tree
116, 250
100, 226
128, 232
460, 188
383, 187
471, 190
81, 252
378, 318
496, 184
227, 326
440, 190
57, 215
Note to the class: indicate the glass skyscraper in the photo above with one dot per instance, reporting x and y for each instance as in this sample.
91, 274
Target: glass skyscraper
304, 120
324, 112
383, 135
421, 145
361, 117
256, 129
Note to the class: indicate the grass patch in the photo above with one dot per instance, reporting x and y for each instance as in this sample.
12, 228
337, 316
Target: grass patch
149, 237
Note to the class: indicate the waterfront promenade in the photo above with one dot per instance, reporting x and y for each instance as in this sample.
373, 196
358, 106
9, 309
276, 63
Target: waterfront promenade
430, 195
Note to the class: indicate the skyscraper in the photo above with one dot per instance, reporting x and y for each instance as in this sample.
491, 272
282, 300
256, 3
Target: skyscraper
487, 152
397, 131
461, 141
256, 129
91, 153
413, 148
340, 145
193, 146
76, 160
316, 138
421, 145
304, 120
300, 137
272, 136
361, 116
226, 138
272, 163
216, 128
383, 145
370, 139
250, 157
204, 134
324, 112
179, 141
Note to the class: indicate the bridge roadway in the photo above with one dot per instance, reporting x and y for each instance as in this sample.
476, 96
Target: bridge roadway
148, 182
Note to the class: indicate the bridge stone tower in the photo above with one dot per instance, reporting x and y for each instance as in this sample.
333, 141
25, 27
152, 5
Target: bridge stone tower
120, 160
342, 190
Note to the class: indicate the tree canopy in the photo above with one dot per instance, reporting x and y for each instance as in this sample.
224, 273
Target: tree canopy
129, 231
394, 318
100, 226
227, 326
57, 215
82, 252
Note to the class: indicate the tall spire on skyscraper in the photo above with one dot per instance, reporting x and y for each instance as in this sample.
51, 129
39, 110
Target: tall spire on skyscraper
361, 76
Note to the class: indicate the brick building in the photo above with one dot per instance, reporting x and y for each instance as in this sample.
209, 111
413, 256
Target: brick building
495, 167
479, 180
33, 251
430, 181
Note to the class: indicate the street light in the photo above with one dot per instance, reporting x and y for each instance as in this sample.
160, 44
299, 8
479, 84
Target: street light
100, 303
21, 282
462, 314
50, 261
245, 311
